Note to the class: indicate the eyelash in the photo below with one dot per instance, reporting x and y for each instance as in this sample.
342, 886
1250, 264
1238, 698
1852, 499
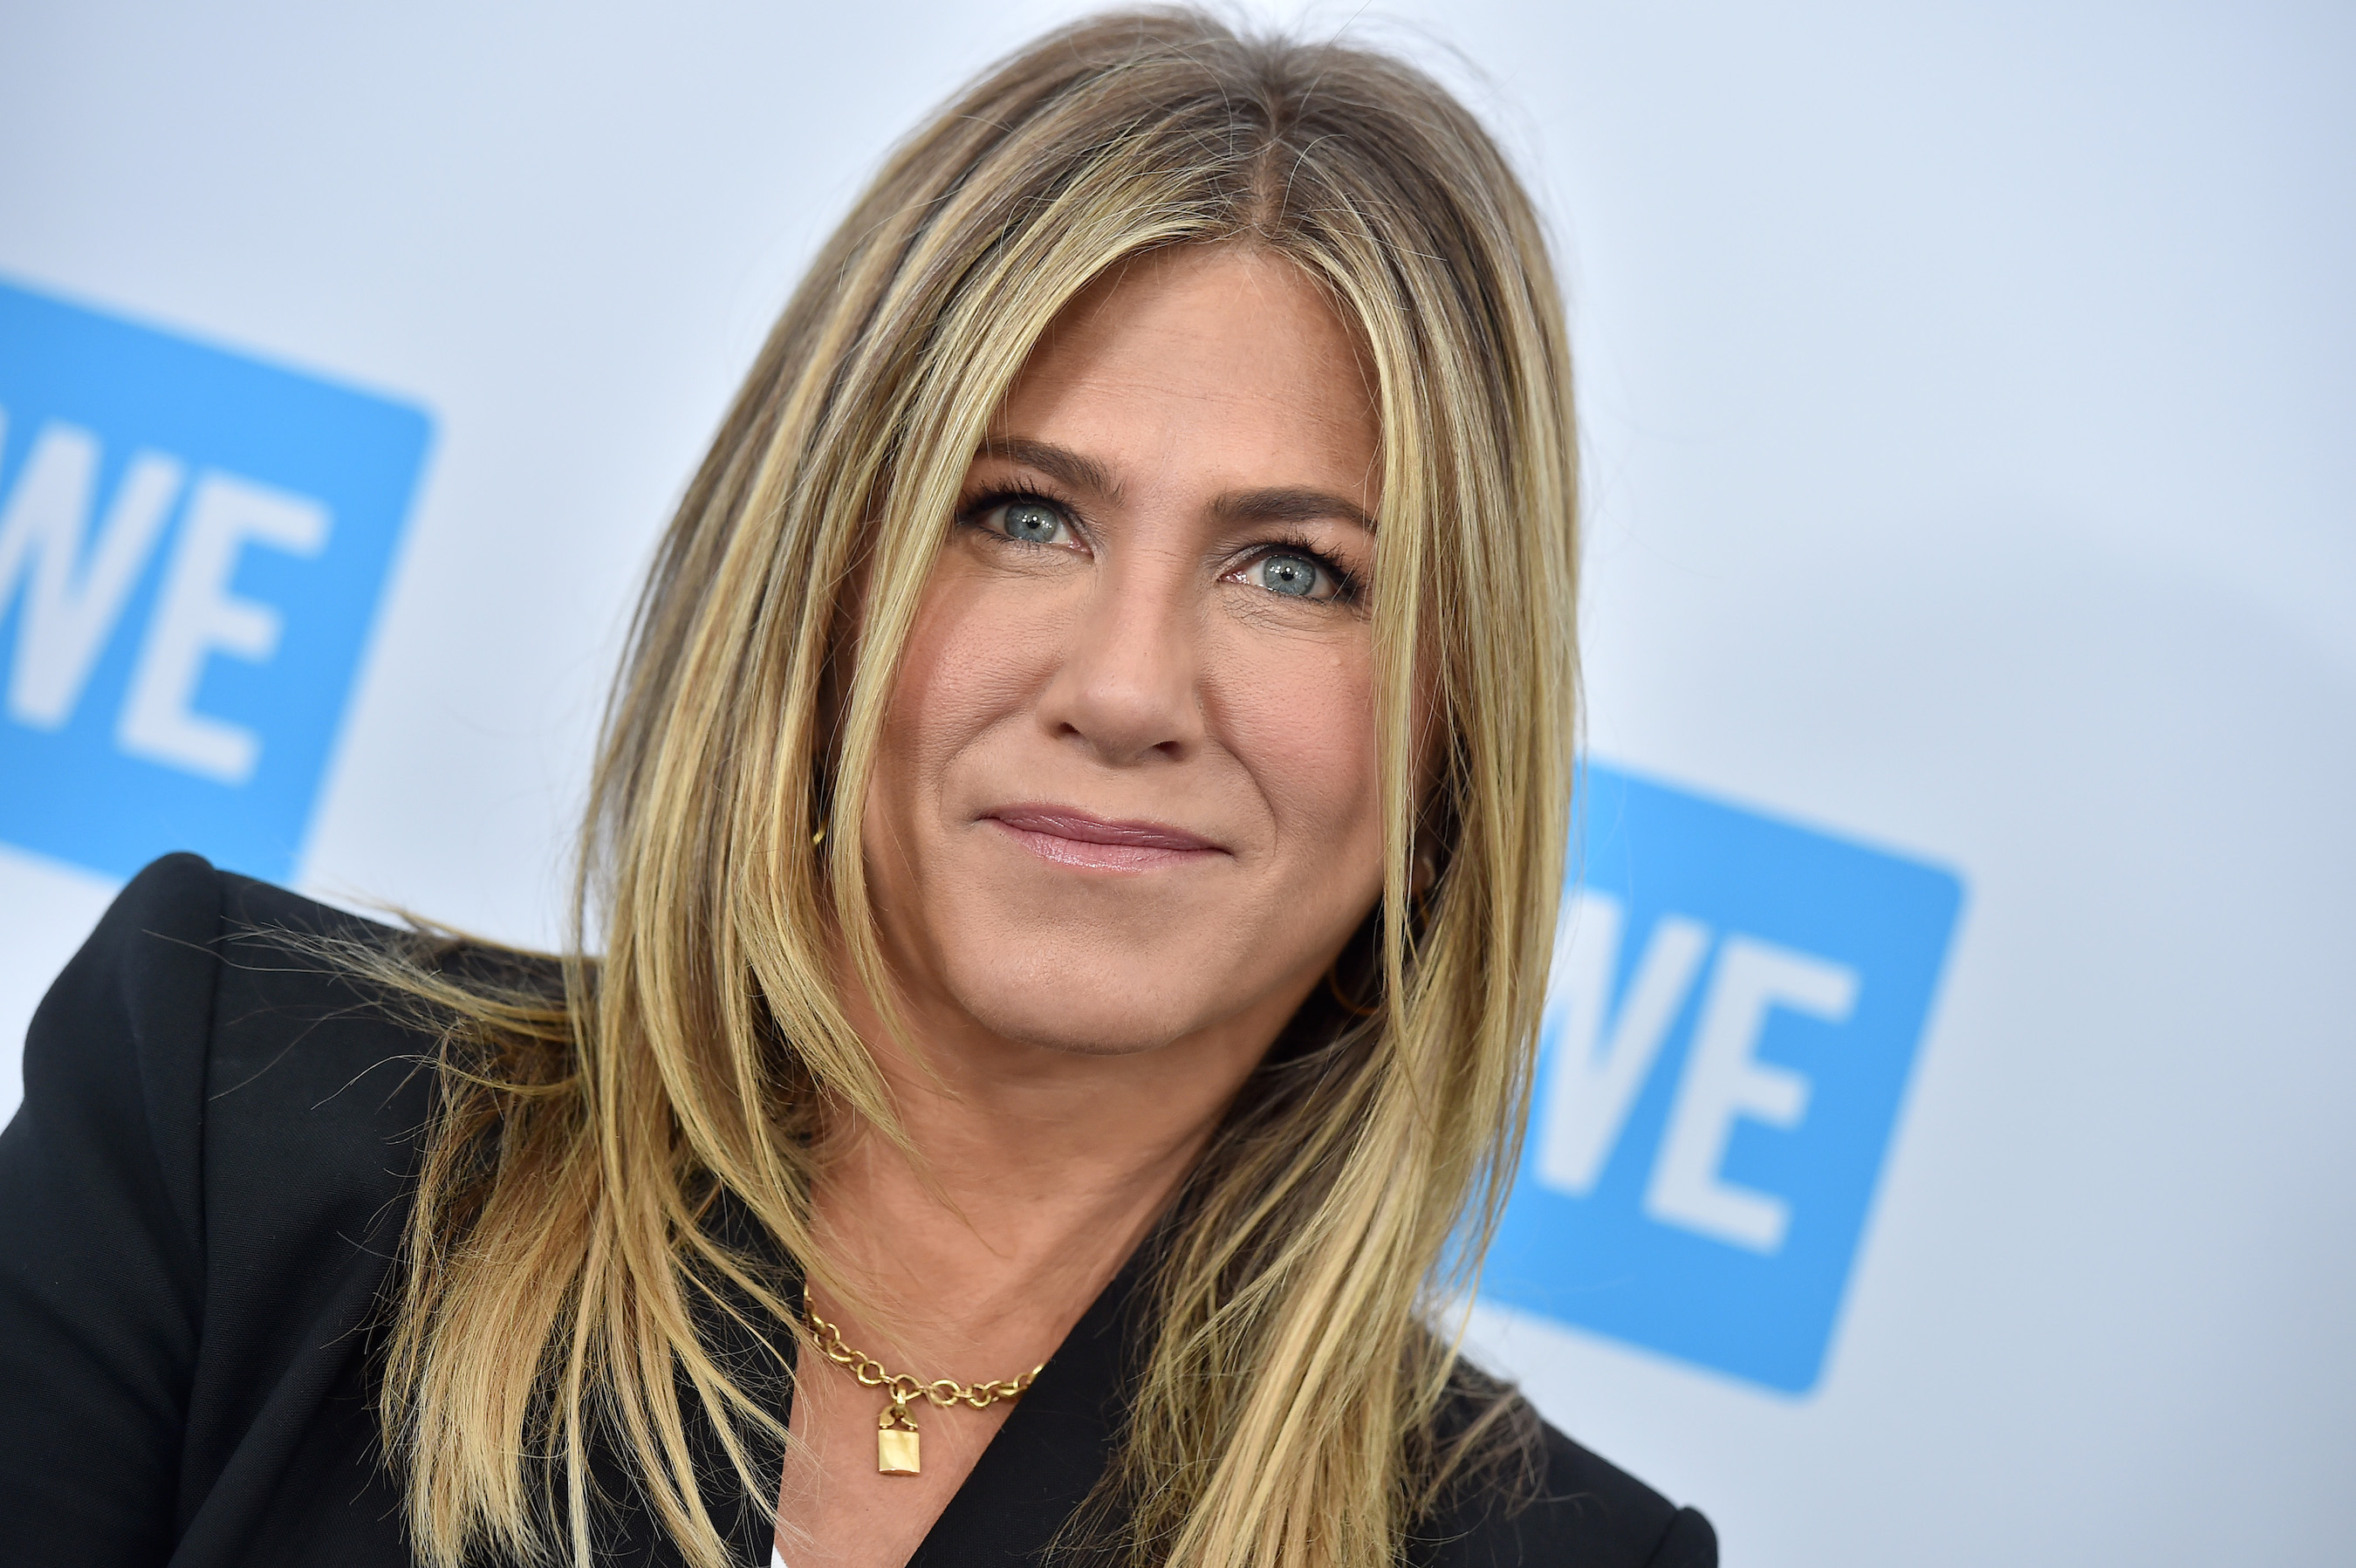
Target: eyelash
972, 511
1348, 588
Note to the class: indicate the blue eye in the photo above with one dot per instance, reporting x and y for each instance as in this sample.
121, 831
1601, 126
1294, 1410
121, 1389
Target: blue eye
1295, 577
1033, 523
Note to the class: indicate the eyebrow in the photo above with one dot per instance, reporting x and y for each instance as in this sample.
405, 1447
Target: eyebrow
1288, 504
1055, 462
1281, 503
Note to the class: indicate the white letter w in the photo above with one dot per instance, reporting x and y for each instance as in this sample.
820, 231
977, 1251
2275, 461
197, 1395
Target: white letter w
1595, 1076
67, 614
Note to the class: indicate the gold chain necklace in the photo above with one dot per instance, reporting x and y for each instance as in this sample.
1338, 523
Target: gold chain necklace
896, 1429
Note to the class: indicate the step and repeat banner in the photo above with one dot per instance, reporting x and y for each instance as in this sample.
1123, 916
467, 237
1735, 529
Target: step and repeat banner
1942, 1150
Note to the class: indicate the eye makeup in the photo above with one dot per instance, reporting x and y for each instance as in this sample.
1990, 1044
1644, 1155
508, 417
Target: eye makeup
1349, 588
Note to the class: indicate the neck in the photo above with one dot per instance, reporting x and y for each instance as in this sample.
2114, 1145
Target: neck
1037, 1173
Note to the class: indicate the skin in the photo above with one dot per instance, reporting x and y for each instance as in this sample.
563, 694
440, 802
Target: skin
1103, 641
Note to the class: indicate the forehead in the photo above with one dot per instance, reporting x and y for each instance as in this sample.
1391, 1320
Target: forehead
1226, 347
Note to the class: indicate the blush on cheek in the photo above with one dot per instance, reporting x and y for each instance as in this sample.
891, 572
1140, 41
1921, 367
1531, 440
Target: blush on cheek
962, 672
972, 658
972, 661
1303, 727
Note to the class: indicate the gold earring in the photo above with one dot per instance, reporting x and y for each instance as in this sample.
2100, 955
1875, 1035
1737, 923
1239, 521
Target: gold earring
1334, 988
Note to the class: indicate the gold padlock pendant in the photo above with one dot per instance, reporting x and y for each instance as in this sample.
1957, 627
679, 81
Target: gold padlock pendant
895, 1444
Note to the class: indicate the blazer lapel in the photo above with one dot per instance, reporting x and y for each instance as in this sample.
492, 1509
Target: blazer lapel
1047, 1457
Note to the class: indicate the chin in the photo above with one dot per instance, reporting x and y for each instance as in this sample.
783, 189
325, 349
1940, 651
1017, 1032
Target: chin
1086, 1009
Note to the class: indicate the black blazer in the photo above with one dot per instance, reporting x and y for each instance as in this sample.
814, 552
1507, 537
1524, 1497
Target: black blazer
198, 1199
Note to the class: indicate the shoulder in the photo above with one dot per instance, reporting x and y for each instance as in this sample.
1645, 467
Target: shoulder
114, 1059
207, 1009
154, 960
1546, 1501
309, 1075
195, 963
199, 1195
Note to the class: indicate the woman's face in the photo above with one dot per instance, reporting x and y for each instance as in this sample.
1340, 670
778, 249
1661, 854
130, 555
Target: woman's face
1127, 793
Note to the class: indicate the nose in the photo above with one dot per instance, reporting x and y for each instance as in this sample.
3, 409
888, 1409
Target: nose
1126, 691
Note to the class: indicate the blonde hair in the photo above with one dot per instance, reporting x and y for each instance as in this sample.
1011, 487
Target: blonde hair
563, 1246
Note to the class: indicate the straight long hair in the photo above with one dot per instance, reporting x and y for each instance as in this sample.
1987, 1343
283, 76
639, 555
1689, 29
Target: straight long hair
563, 1246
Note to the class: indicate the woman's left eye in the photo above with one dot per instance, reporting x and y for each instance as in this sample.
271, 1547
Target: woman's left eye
1293, 575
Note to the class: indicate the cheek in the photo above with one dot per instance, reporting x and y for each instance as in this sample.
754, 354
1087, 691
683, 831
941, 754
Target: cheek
967, 665
1302, 721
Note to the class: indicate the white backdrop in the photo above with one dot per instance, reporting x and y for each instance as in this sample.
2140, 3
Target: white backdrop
1969, 402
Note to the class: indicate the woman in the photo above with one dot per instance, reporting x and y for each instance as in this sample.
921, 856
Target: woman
1073, 855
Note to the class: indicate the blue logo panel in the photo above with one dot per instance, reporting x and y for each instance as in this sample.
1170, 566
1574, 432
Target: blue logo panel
1732, 1014
192, 546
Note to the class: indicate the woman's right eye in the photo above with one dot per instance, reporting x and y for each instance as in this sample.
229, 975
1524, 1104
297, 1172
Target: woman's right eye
1029, 522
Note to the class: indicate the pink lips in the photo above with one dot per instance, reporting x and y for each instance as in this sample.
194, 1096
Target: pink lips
1075, 838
